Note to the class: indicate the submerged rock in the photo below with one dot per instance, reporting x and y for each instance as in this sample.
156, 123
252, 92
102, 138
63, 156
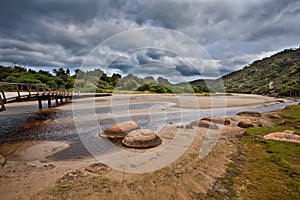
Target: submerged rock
98, 168
249, 113
120, 130
218, 120
205, 124
245, 123
141, 138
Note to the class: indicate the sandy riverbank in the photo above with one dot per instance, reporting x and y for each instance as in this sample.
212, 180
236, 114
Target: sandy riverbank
192, 101
29, 172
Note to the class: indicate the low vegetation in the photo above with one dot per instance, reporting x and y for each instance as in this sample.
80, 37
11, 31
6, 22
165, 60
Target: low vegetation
264, 169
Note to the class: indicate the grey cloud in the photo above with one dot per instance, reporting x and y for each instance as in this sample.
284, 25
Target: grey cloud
62, 33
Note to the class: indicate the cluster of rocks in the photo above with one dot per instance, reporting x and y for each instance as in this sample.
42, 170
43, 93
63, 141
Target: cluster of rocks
213, 121
132, 135
247, 123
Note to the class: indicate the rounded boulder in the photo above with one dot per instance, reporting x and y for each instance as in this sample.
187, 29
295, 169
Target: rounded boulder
119, 131
141, 138
245, 123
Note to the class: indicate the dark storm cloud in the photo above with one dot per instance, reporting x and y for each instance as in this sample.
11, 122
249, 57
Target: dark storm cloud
142, 57
154, 62
157, 53
186, 70
62, 33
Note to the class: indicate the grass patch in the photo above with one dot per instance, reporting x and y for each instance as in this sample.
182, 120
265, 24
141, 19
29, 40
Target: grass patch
272, 168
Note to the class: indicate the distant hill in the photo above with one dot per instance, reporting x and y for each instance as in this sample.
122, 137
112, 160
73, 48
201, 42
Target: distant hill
278, 75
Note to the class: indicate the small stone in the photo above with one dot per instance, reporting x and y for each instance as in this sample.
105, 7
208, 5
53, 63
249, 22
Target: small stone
249, 113
50, 166
280, 100
120, 130
205, 124
98, 168
71, 176
141, 138
218, 120
188, 126
2, 160
274, 116
283, 122
245, 123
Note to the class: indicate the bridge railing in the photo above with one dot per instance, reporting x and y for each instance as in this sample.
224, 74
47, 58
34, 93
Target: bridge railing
10, 92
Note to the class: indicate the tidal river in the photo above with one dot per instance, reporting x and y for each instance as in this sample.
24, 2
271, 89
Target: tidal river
25, 122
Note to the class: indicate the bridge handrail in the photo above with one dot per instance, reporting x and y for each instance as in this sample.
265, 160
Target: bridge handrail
42, 85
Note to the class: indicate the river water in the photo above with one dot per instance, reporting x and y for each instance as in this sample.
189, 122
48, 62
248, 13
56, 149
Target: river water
25, 122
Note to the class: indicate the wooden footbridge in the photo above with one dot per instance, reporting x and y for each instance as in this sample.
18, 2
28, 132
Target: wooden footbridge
17, 92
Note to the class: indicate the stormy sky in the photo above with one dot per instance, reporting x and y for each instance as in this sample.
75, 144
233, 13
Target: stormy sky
46, 34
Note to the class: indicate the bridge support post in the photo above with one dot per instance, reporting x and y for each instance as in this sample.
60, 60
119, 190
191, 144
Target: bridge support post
2, 104
49, 101
56, 100
29, 90
18, 91
3, 94
40, 102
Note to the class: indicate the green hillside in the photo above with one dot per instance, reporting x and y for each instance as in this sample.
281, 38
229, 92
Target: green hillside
278, 75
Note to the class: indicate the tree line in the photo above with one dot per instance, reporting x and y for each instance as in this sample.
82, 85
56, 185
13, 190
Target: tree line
94, 81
